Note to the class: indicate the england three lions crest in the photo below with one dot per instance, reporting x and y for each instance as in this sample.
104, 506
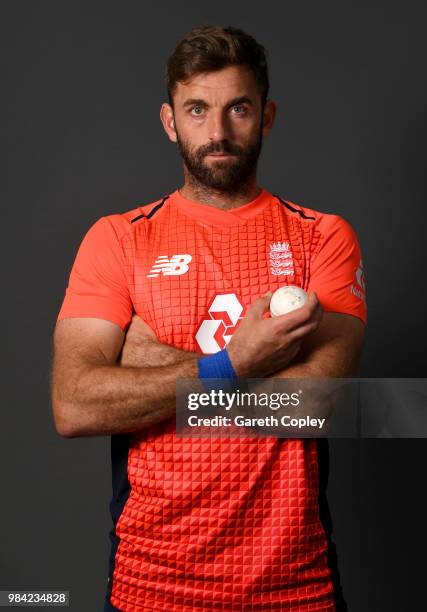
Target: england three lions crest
281, 260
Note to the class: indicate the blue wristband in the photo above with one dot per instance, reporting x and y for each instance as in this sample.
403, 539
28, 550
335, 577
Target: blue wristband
217, 365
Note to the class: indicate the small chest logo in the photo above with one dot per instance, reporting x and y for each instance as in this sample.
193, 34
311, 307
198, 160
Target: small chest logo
281, 260
175, 266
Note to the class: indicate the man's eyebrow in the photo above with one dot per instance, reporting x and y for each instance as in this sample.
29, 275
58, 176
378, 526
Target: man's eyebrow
233, 102
194, 102
240, 100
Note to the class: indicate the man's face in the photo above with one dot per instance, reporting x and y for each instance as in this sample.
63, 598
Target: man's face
218, 126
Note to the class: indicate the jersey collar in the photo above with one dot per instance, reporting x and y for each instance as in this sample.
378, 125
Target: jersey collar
209, 215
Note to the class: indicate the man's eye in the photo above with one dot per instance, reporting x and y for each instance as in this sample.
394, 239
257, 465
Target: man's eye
197, 110
239, 109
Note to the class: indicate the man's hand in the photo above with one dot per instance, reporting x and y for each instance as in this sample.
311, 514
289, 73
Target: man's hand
142, 349
260, 347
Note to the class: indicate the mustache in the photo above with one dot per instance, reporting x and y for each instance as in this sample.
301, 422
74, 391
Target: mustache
220, 147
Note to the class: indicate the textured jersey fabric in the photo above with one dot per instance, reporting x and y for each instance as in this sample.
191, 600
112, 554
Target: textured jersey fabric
214, 523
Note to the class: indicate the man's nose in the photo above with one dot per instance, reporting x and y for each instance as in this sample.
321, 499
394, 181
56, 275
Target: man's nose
218, 126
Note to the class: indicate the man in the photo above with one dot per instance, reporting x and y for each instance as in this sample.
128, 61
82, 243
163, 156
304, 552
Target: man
221, 523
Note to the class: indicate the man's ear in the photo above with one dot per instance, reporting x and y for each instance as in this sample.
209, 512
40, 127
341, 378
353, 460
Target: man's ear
268, 117
168, 121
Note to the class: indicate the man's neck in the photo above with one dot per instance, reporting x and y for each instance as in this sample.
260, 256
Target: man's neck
219, 199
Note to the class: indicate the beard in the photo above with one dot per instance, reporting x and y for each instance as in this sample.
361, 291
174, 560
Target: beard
226, 176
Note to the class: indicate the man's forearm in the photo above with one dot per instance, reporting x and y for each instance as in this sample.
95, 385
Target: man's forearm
111, 399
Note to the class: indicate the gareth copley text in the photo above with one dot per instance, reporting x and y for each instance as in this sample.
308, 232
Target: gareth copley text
269, 421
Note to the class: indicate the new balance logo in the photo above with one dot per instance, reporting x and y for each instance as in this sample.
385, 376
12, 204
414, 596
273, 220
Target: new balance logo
176, 265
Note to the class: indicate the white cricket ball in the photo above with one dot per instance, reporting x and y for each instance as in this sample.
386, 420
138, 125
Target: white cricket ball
285, 299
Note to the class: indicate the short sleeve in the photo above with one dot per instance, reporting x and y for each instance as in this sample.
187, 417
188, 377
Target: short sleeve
97, 285
336, 268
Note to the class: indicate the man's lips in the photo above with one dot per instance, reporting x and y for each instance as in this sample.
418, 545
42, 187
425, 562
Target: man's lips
220, 155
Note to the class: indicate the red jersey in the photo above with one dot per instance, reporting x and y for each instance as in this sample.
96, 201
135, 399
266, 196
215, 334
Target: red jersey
214, 523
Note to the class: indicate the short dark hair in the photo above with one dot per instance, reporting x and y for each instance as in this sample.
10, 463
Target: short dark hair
211, 48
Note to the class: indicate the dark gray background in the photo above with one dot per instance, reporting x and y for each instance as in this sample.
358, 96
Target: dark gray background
81, 90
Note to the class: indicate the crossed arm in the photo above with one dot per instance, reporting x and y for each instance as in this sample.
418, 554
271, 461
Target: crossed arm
104, 382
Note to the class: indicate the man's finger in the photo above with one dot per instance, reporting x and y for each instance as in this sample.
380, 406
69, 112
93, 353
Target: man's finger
260, 306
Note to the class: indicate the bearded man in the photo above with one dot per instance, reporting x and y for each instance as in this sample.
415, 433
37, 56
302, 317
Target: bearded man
180, 288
